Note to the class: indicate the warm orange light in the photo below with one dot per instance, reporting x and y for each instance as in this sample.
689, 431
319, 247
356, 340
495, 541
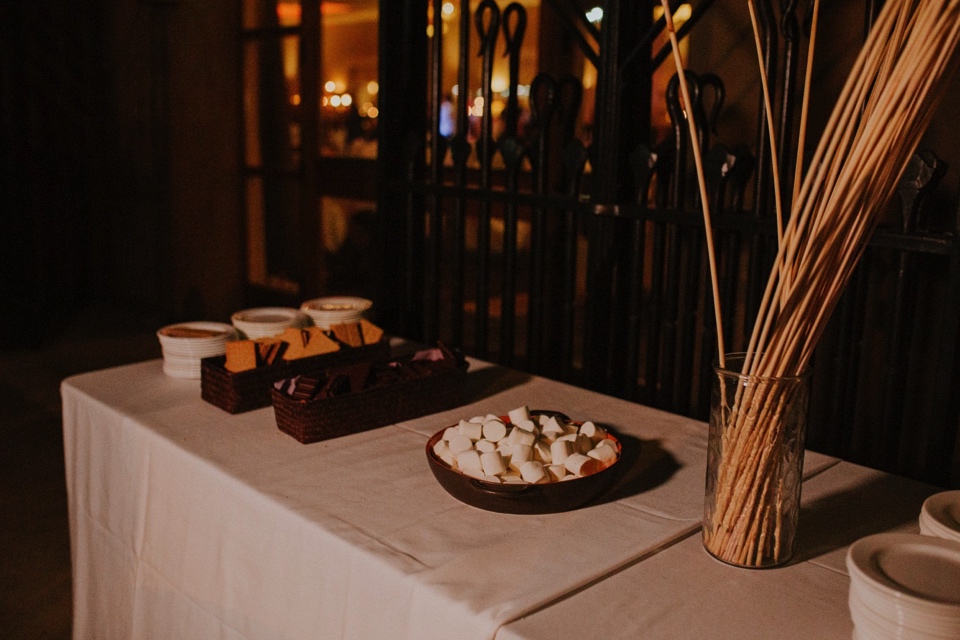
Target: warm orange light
328, 8
289, 13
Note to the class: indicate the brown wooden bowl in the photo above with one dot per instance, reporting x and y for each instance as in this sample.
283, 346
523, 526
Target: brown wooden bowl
524, 499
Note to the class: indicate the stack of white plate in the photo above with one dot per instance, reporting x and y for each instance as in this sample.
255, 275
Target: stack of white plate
940, 516
264, 322
326, 312
186, 343
904, 585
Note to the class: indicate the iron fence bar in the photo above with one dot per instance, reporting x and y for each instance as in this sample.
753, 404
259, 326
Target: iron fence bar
943, 453
572, 13
790, 30
487, 21
762, 189
512, 154
431, 327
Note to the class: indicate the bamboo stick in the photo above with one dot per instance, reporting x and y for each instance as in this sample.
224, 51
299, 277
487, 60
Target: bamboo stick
896, 82
701, 179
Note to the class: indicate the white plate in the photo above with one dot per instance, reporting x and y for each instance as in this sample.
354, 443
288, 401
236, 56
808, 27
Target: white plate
941, 514
921, 571
895, 618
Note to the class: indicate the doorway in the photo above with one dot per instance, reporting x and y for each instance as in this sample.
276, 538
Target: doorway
310, 113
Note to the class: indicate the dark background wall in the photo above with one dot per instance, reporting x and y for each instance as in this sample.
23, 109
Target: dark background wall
119, 161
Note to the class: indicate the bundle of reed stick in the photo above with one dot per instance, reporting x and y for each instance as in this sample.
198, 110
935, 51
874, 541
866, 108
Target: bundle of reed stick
890, 95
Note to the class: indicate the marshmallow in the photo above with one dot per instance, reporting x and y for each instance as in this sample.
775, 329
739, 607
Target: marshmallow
607, 442
560, 450
606, 455
473, 430
592, 431
528, 425
469, 460
519, 454
583, 444
541, 452
494, 430
552, 428
542, 448
492, 463
519, 414
441, 447
460, 443
479, 475
442, 450
519, 436
557, 472
579, 464
485, 446
532, 471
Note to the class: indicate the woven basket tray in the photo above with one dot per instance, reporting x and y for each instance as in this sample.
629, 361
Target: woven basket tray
248, 390
321, 419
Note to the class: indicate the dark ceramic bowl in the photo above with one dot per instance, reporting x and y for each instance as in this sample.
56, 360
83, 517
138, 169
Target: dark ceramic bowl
525, 499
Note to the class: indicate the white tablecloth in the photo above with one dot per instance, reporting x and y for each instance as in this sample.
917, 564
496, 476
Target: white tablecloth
684, 593
187, 522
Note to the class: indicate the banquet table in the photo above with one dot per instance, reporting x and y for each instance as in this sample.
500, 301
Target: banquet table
189, 522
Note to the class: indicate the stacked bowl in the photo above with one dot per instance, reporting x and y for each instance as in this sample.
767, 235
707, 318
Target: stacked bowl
904, 585
185, 344
331, 310
265, 322
940, 516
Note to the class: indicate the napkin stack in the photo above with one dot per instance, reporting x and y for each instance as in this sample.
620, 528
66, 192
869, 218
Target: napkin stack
904, 586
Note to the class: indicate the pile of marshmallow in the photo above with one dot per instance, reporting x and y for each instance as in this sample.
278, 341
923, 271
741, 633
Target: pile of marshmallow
525, 448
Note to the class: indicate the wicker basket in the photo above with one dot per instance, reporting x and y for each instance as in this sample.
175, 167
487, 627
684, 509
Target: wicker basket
324, 418
248, 390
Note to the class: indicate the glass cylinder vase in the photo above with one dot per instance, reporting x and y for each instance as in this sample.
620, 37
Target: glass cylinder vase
754, 465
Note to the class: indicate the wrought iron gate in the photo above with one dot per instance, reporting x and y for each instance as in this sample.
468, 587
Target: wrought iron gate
584, 260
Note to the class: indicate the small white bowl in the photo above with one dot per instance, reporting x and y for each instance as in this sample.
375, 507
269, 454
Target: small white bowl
328, 311
264, 322
186, 343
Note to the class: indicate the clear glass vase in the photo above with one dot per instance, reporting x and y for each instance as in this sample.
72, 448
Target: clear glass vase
754, 465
